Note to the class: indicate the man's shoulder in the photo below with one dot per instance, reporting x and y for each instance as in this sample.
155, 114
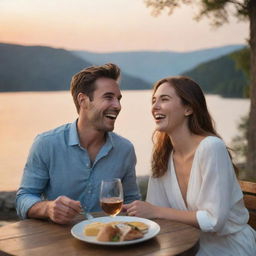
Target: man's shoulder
56, 132
120, 140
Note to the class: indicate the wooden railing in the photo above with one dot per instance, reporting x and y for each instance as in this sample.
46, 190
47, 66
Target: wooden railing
249, 190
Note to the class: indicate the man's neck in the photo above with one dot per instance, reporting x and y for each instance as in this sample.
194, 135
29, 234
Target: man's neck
90, 138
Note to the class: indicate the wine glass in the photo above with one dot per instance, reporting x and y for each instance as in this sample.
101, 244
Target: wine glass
111, 196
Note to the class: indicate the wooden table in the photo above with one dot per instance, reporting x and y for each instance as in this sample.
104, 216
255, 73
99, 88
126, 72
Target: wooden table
39, 237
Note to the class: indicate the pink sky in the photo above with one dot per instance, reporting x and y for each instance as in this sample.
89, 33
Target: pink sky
110, 25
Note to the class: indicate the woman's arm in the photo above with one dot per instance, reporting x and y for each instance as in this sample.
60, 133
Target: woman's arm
147, 210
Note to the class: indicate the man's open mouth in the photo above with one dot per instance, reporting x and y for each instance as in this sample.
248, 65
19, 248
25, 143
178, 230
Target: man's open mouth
111, 115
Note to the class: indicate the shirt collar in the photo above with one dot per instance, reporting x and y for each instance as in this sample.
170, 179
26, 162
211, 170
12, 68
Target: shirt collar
73, 135
74, 138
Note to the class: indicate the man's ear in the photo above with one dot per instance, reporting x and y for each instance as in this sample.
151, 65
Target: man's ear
83, 100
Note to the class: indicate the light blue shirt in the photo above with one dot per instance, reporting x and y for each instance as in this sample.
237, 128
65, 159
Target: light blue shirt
58, 165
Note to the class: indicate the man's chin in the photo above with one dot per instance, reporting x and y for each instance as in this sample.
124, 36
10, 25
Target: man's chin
109, 128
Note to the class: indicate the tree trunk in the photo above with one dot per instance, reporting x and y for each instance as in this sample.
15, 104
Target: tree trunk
251, 155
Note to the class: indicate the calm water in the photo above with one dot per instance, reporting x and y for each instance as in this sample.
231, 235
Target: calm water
24, 115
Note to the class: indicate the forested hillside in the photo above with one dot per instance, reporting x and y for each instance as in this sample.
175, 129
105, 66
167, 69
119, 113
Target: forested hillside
220, 76
37, 68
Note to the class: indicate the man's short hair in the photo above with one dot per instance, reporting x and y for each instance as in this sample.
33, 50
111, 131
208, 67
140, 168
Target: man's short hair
84, 81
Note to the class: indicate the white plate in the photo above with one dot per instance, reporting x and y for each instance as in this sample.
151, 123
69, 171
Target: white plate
78, 230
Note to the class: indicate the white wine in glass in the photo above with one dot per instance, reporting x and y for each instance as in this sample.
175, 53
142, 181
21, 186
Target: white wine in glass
111, 196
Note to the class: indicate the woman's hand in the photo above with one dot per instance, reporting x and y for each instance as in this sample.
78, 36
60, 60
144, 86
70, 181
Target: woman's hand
141, 209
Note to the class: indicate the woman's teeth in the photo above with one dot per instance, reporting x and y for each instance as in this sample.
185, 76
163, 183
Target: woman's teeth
159, 116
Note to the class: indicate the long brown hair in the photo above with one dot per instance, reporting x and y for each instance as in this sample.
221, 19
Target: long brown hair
200, 121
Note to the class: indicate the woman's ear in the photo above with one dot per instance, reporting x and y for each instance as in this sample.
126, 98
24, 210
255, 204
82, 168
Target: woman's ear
83, 100
188, 111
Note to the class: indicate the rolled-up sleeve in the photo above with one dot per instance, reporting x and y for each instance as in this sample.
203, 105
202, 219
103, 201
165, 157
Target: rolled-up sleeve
34, 180
214, 201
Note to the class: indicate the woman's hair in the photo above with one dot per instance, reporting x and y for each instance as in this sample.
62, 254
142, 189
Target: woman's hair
199, 122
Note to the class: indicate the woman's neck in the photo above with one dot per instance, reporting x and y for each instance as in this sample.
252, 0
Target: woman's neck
184, 142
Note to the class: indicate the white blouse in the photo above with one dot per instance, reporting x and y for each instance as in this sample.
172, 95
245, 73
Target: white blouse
214, 192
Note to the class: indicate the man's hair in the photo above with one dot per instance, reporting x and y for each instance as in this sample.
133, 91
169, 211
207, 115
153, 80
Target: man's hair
84, 81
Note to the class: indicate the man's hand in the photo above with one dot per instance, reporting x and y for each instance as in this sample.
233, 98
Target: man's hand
62, 210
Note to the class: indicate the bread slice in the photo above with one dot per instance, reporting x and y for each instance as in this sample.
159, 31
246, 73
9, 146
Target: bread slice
143, 227
93, 229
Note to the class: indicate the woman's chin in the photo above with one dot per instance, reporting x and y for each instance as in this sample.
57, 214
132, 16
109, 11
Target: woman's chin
160, 128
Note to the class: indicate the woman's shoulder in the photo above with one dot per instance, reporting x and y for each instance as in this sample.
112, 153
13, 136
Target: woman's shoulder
211, 143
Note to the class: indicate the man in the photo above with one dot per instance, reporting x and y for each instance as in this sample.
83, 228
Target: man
65, 166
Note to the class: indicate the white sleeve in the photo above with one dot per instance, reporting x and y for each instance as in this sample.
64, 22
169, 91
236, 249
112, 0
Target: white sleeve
156, 194
217, 173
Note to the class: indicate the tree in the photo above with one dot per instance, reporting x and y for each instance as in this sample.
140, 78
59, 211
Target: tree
242, 61
218, 11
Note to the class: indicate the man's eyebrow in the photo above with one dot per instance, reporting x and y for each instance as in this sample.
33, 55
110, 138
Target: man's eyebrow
108, 93
112, 94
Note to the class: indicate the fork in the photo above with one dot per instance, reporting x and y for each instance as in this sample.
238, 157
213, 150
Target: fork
87, 215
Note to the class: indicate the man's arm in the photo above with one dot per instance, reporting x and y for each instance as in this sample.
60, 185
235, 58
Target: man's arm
131, 190
35, 178
61, 210
29, 203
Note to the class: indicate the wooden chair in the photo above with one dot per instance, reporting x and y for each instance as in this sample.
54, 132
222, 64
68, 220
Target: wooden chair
249, 190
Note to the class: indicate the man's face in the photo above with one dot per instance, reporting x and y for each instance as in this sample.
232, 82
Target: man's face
105, 106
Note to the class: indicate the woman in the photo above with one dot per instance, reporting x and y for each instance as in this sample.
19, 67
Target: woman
193, 179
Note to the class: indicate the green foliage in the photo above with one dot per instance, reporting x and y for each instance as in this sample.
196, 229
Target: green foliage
220, 76
242, 61
239, 143
217, 10
143, 186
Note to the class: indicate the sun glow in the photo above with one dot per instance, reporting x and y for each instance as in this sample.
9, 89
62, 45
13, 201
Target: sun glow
112, 25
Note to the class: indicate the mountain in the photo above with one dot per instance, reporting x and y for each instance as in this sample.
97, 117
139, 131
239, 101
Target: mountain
152, 66
220, 76
37, 68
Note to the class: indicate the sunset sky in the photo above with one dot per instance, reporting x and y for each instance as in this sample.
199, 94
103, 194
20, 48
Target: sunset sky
110, 25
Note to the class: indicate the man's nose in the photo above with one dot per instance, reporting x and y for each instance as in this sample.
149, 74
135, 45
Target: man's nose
117, 104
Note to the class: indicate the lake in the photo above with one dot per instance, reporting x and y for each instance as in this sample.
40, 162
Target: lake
25, 114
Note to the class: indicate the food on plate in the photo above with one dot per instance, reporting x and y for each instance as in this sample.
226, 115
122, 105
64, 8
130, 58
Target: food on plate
143, 227
128, 232
108, 233
116, 231
93, 228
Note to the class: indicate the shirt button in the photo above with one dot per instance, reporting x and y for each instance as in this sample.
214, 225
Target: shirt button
88, 165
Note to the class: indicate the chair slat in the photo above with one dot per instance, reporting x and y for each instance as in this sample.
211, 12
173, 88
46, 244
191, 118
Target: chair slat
249, 190
252, 220
248, 186
250, 202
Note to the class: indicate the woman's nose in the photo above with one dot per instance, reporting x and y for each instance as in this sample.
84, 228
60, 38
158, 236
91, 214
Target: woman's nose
155, 105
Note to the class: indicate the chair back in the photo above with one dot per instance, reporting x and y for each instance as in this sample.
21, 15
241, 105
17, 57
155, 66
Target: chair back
249, 191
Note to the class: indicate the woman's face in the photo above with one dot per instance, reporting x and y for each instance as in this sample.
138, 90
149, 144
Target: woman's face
167, 109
